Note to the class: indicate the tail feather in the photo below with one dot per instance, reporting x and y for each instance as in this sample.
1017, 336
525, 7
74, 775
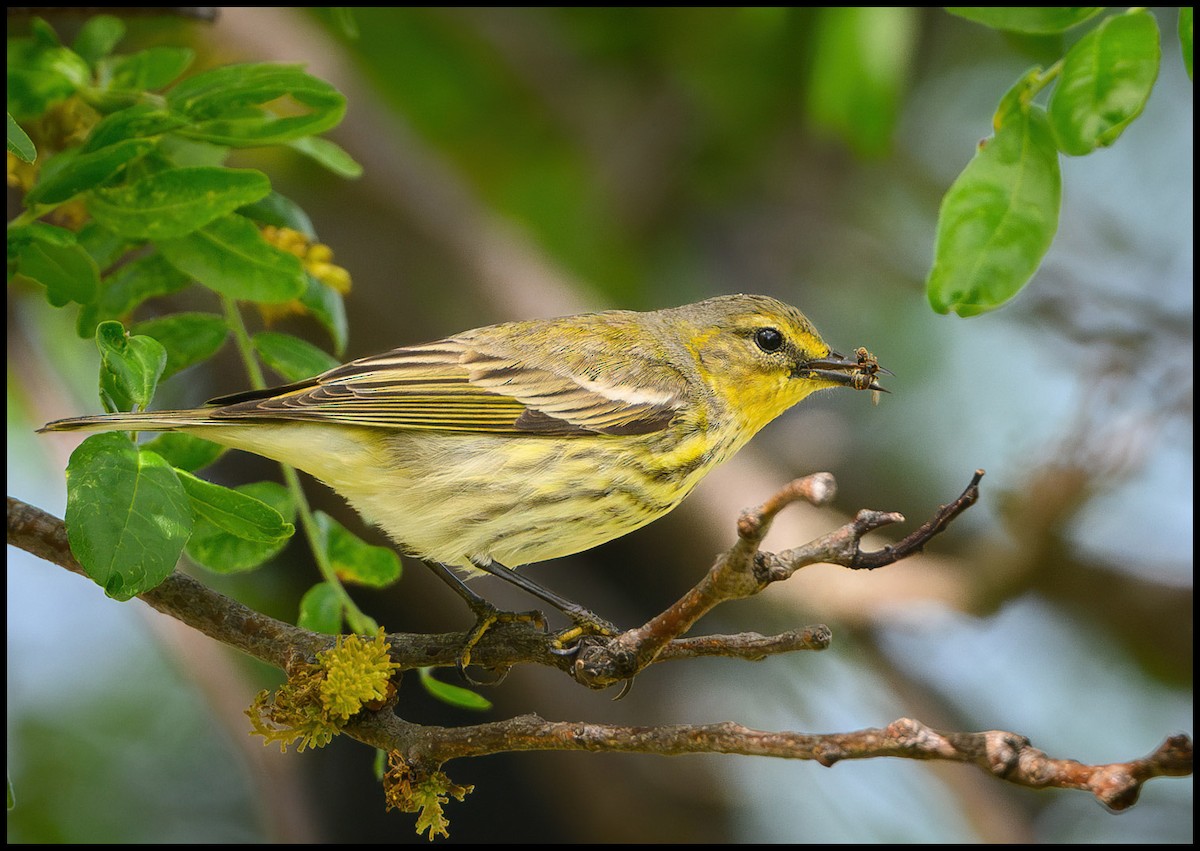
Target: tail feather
136, 421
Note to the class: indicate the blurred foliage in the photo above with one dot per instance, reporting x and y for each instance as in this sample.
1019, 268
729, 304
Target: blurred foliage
133, 174
514, 103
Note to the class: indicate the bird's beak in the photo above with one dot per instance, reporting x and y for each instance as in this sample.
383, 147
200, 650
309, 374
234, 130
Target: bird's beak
859, 372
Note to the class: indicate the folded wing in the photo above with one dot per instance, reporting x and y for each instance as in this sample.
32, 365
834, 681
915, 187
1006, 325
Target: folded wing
472, 386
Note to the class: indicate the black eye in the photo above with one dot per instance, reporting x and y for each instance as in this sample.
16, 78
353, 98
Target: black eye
768, 339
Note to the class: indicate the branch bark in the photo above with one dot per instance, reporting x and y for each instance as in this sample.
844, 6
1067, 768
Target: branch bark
1007, 756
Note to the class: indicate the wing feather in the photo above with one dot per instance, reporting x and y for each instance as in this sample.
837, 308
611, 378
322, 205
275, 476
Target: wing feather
467, 385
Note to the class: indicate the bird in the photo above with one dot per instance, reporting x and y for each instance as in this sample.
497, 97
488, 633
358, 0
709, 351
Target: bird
527, 441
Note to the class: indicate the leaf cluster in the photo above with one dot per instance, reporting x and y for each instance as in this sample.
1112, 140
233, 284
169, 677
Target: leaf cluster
998, 219
128, 198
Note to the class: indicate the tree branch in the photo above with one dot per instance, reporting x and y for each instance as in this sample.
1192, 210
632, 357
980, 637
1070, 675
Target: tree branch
1007, 756
179, 596
741, 571
278, 643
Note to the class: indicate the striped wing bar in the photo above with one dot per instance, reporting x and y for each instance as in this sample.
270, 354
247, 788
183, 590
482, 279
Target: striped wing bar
454, 385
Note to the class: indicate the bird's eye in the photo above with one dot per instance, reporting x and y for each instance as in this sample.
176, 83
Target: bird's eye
768, 339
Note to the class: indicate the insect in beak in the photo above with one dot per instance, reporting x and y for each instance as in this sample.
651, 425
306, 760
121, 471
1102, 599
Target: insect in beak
859, 372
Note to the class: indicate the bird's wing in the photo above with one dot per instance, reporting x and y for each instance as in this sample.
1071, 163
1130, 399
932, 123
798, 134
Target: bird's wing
471, 386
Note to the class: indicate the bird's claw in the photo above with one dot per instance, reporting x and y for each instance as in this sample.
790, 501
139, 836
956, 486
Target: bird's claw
487, 616
570, 640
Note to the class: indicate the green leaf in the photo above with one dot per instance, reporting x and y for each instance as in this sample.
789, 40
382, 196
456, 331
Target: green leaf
353, 559
141, 121
230, 256
222, 552
329, 308
176, 202
223, 104
39, 232
104, 246
187, 337
280, 211
41, 73
66, 271
84, 171
322, 609
127, 287
1185, 37
998, 219
185, 451
1105, 82
127, 515
1016, 101
454, 695
192, 152
148, 70
235, 513
19, 143
329, 154
43, 33
97, 37
861, 63
1041, 20
130, 367
291, 357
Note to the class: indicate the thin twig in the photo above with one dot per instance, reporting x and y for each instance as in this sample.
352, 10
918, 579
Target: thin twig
916, 542
744, 570
1007, 756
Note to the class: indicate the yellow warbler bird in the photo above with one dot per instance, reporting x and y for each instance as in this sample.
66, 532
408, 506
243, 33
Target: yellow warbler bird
526, 441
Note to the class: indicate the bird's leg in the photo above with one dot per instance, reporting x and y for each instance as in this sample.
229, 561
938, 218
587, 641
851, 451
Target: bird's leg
586, 622
486, 615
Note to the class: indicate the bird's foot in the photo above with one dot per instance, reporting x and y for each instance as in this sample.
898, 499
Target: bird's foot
486, 617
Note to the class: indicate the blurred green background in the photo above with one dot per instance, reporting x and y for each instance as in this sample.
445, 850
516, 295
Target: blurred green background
526, 162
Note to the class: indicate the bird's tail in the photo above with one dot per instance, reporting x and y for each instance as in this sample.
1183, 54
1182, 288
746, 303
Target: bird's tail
136, 421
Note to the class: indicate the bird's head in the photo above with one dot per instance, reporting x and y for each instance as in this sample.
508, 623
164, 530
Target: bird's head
761, 356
